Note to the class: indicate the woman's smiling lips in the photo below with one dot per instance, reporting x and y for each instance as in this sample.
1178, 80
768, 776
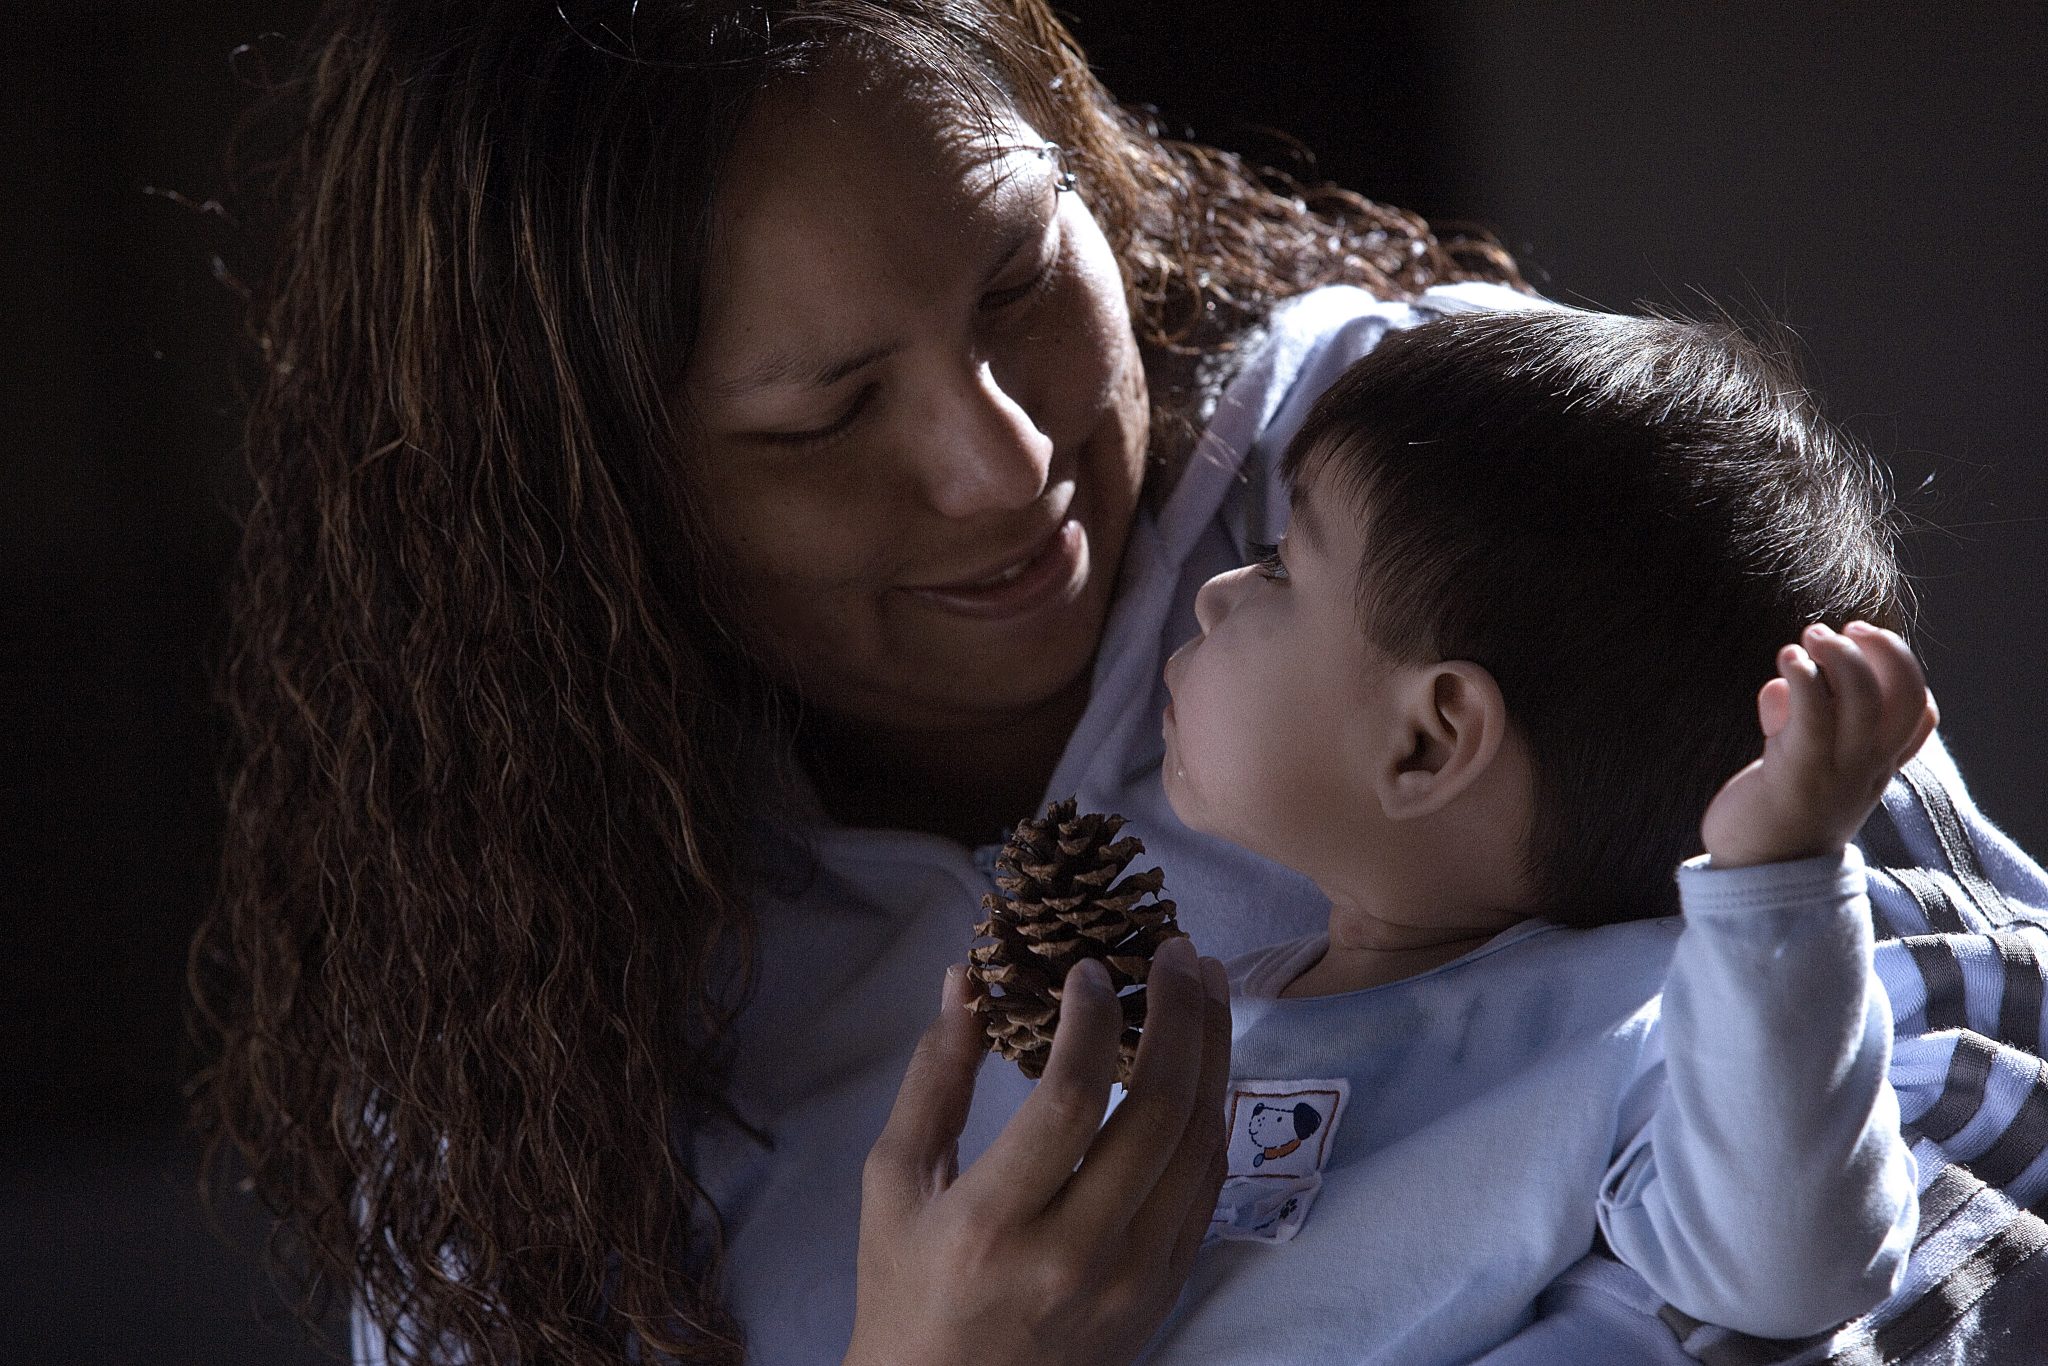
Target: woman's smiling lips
1053, 570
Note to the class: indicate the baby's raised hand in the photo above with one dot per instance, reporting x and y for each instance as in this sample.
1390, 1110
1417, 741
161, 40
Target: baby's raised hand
1846, 710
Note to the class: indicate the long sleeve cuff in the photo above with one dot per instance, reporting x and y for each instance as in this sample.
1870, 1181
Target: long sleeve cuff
1758, 894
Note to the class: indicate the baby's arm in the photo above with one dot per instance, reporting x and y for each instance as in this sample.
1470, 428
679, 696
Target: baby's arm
1770, 1191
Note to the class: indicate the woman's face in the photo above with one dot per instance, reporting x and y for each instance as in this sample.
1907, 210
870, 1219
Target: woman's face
922, 411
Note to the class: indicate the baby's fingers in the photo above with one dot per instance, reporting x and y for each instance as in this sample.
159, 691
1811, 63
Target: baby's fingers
1907, 708
1806, 736
1774, 705
1853, 683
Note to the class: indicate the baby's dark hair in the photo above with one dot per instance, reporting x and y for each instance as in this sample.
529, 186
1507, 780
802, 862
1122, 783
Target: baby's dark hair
1623, 520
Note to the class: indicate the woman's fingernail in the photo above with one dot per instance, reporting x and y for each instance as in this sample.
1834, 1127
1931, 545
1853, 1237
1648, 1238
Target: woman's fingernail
1177, 954
1214, 981
1089, 975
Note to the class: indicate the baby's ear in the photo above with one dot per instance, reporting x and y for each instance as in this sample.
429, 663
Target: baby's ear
1453, 721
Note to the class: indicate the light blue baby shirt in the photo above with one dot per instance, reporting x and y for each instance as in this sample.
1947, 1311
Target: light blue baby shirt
1708, 1093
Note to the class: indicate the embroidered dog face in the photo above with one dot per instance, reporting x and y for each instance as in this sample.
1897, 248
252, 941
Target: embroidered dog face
1281, 1134
1283, 1129
1279, 1129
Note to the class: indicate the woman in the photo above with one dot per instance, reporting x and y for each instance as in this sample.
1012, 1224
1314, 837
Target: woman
717, 466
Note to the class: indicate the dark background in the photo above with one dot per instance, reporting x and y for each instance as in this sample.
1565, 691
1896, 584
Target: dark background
1873, 175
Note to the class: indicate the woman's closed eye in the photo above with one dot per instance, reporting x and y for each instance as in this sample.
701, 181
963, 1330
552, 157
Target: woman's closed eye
821, 436
1267, 559
1043, 269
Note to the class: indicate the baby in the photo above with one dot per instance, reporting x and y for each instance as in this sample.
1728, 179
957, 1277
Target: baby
1510, 651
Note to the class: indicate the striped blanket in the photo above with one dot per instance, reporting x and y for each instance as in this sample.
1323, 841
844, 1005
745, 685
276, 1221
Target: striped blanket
1962, 927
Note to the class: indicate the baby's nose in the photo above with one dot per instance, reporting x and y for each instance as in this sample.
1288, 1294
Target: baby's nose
1213, 600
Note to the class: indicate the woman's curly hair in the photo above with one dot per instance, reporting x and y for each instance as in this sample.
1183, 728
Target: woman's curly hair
484, 922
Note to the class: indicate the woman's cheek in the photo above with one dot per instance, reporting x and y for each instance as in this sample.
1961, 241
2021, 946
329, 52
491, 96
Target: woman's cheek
795, 536
1096, 310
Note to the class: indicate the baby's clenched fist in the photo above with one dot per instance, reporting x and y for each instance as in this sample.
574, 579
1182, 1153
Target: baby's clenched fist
1845, 712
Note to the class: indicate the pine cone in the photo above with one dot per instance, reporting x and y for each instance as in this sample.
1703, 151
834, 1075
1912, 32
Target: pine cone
1060, 907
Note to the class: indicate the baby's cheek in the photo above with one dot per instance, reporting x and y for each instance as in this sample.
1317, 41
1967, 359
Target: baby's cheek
1229, 772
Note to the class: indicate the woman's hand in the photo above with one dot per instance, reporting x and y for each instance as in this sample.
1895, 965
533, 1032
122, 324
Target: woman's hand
1068, 1240
1845, 712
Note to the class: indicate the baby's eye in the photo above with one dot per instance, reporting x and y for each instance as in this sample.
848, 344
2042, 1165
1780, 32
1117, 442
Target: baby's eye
1267, 558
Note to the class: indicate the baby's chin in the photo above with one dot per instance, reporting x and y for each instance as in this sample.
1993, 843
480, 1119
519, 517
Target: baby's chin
1191, 812
1170, 781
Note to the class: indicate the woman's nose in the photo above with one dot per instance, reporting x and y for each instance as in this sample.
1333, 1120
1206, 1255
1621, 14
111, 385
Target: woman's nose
984, 452
1213, 600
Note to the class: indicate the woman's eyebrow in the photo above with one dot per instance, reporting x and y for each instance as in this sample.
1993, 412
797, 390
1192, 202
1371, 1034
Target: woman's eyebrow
783, 367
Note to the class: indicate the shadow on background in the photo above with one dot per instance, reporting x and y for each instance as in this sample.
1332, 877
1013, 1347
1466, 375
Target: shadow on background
110, 1258
1876, 185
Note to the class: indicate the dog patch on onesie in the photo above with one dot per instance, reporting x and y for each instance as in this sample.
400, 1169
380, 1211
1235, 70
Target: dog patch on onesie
1281, 1133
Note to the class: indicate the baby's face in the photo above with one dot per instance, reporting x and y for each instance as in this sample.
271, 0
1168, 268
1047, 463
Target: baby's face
1276, 701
